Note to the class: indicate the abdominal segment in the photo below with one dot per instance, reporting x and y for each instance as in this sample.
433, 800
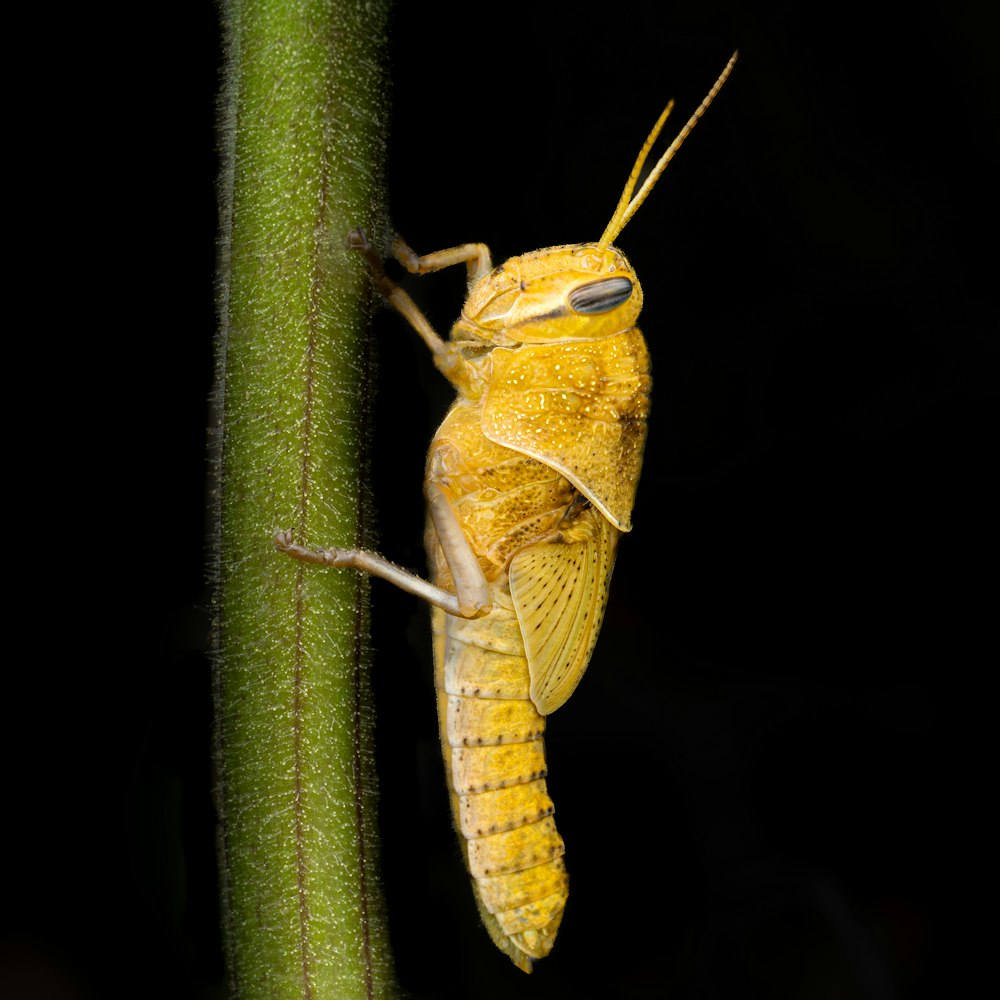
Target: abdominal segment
492, 740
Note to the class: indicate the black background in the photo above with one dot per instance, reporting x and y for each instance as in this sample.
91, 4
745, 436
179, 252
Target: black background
769, 782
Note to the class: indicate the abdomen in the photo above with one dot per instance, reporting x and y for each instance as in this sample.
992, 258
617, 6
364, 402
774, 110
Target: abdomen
491, 736
491, 732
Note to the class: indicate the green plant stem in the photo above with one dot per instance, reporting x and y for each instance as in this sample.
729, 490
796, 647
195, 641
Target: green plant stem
304, 115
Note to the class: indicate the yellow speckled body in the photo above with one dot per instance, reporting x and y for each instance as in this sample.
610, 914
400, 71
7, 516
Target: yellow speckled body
530, 482
508, 504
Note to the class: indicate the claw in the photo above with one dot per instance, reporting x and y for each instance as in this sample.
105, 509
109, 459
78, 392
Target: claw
356, 240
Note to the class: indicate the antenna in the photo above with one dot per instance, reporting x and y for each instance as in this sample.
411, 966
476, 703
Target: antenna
626, 209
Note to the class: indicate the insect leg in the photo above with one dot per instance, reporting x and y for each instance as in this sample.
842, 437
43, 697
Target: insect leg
472, 594
476, 257
371, 562
447, 359
470, 585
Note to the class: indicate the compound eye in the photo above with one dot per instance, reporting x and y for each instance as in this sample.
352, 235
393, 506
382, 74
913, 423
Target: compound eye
600, 296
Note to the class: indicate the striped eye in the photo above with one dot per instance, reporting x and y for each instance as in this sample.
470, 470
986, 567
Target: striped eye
600, 296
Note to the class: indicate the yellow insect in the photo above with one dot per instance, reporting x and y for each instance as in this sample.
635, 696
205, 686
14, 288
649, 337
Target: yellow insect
530, 482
